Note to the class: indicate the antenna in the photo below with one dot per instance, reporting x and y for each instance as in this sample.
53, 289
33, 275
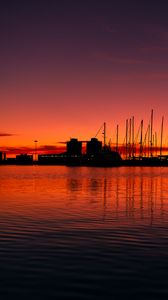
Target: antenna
35, 150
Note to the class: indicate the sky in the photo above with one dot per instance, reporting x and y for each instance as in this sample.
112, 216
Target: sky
68, 66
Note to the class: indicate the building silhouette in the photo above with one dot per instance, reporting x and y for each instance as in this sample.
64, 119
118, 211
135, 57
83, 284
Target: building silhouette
74, 147
93, 147
24, 159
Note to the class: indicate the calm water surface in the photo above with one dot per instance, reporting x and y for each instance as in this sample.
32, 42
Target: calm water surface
83, 233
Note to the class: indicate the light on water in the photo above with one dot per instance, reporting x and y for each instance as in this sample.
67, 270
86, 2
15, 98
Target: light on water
83, 233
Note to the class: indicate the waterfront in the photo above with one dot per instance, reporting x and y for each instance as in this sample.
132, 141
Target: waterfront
83, 233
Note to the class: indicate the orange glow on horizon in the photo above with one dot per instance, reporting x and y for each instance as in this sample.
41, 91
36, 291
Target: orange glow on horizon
54, 141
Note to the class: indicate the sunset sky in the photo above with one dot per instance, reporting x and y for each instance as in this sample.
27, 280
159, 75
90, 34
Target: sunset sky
68, 66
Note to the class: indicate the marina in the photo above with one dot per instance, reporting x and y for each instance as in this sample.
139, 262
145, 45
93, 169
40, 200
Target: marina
84, 150
139, 148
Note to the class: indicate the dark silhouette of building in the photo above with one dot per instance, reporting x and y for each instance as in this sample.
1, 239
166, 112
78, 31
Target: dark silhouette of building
93, 147
74, 147
1, 155
11, 161
52, 159
24, 159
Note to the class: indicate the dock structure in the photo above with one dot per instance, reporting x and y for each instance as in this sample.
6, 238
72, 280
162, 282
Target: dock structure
144, 147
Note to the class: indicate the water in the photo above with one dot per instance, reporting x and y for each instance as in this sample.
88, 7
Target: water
83, 233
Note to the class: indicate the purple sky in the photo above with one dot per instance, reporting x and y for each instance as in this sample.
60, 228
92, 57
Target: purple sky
68, 66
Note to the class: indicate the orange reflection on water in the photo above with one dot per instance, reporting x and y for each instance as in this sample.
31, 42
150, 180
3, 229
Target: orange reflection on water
121, 196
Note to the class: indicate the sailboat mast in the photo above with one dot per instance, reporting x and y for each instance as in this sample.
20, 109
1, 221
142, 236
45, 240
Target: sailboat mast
104, 134
126, 146
156, 143
133, 136
148, 140
130, 132
161, 137
117, 138
141, 146
151, 135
